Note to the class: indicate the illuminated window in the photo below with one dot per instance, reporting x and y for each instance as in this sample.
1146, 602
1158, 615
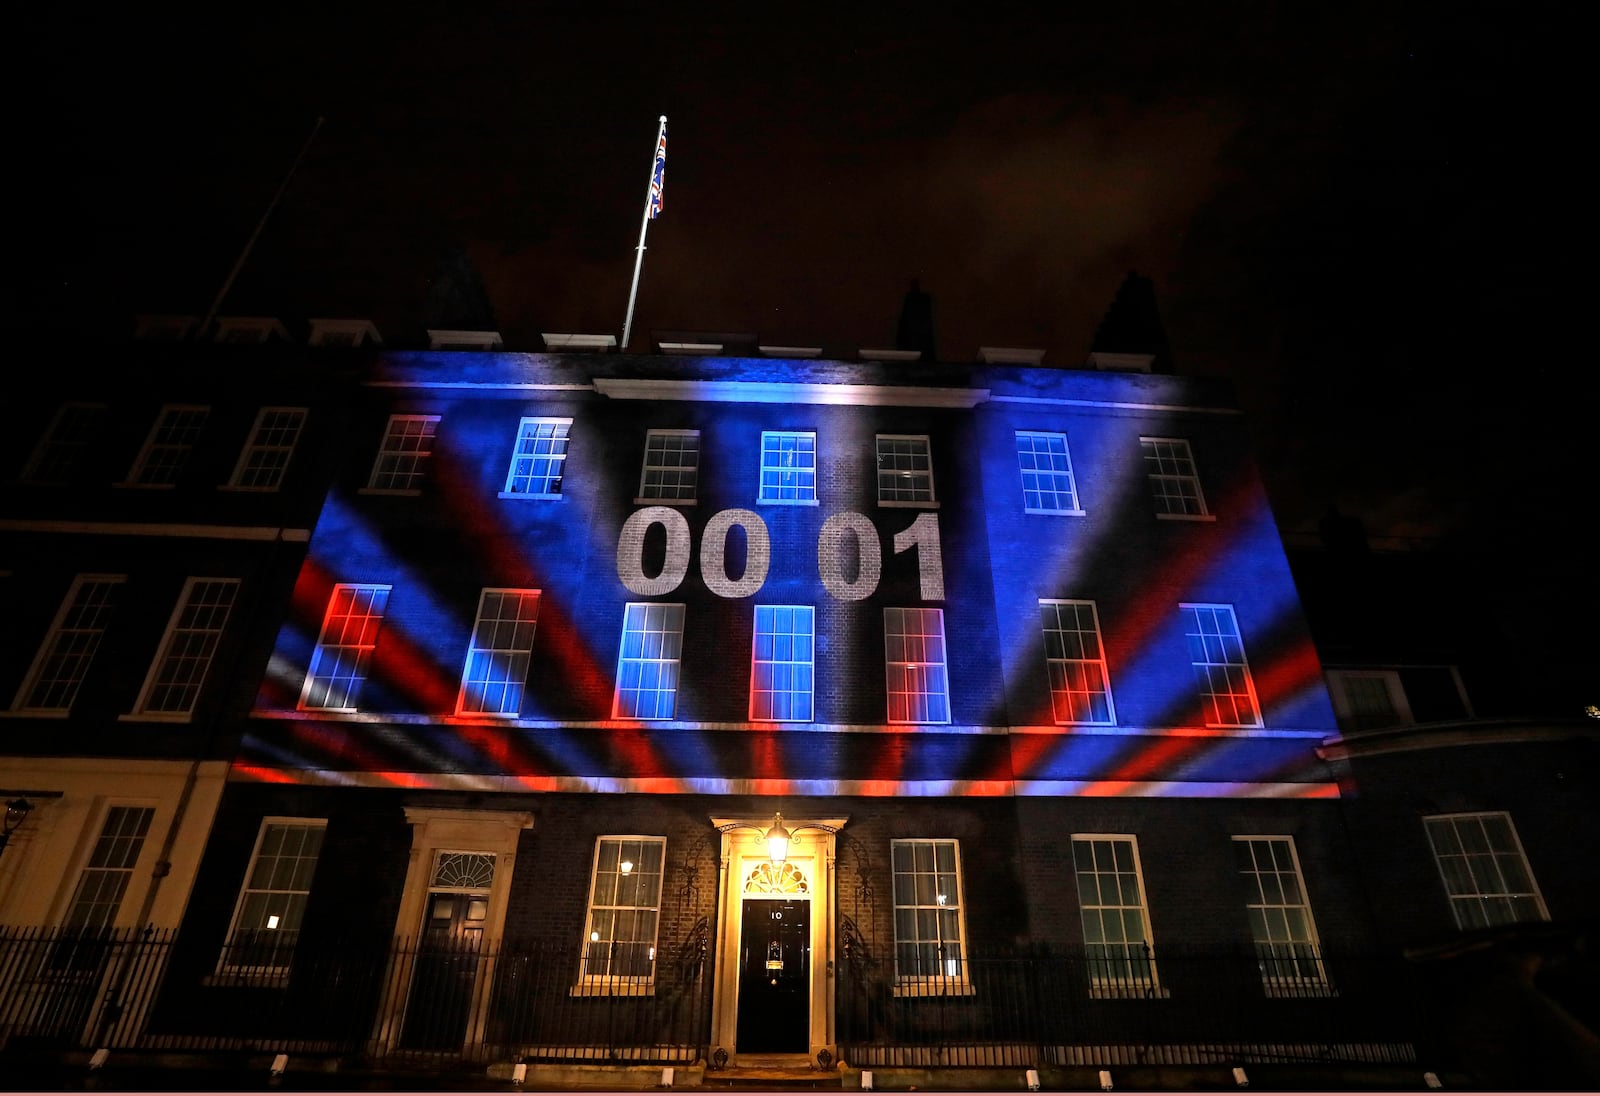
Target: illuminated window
272, 902
1116, 926
60, 453
63, 660
404, 454
1174, 483
1047, 483
1080, 688
167, 448
919, 689
905, 470
266, 455
781, 667
1484, 870
788, 467
349, 636
193, 633
647, 664
1280, 915
1227, 694
497, 659
539, 459
928, 931
104, 879
619, 940
1366, 700
671, 470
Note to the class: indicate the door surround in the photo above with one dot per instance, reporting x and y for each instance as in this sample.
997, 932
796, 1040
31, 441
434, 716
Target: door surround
744, 850
447, 829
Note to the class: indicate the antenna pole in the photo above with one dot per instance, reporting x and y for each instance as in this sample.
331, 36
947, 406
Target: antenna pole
251, 243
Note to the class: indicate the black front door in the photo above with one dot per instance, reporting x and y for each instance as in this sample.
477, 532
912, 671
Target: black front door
446, 971
775, 976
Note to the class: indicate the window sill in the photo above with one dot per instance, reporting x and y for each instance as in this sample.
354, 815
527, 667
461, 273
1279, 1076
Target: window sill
900, 504
786, 502
936, 987
34, 713
1128, 991
156, 717
1057, 513
613, 989
666, 502
147, 486
1186, 517
406, 492
531, 495
241, 489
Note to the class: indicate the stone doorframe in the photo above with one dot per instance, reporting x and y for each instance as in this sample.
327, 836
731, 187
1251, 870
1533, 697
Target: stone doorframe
744, 848
446, 829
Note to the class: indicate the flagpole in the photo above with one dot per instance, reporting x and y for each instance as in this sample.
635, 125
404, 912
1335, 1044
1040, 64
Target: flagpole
644, 226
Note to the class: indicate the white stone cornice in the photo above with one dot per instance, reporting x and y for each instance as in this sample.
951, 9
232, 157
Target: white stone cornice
857, 395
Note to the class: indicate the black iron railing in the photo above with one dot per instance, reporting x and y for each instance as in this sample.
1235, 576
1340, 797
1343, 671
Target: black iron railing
1029, 1007
548, 1001
466, 1001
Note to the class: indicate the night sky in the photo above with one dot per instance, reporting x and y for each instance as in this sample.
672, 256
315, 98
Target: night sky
1366, 215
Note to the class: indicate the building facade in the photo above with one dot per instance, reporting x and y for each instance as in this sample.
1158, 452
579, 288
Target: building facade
684, 708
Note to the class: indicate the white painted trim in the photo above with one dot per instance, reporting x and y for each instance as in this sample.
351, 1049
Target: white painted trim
711, 785
858, 395
1126, 730
1056, 401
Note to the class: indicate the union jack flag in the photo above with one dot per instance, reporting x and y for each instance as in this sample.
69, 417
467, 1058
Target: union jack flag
658, 179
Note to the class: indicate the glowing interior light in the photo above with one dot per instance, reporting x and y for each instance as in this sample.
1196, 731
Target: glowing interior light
941, 900
625, 867
952, 968
594, 937
652, 954
272, 920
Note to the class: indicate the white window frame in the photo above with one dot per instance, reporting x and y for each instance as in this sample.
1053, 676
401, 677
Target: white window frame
295, 897
1169, 463
547, 451
920, 479
666, 666
1210, 656
1482, 870
606, 982
920, 676
71, 432
264, 460
502, 646
1130, 980
359, 654
1338, 689
1074, 675
1073, 507
194, 631
786, 464
789, 655
113, 859
177, 428
403, 457
1289, 967
83, 626
952, 975
656, 460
